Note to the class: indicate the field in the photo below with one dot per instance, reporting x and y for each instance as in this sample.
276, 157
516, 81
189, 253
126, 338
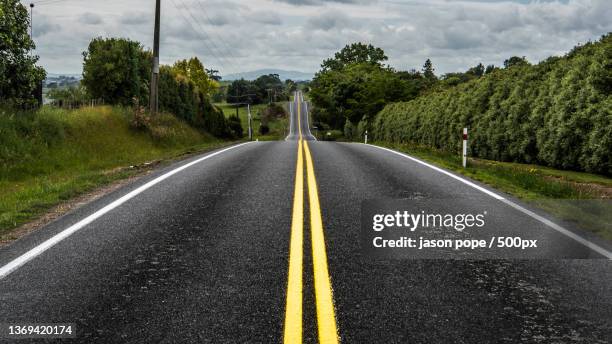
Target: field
278, 127
53, 155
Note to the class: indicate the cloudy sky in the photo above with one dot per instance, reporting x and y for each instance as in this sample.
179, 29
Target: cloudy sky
243, 35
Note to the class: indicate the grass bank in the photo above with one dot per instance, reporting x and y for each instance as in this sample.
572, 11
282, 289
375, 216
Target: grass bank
53, 155
582, 198
278, 126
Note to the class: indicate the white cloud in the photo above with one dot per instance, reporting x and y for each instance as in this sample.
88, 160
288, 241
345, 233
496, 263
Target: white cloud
234, 35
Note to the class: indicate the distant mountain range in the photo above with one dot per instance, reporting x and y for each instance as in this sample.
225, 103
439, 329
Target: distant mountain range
283, 74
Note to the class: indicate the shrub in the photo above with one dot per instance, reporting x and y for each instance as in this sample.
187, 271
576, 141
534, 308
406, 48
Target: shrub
557, 113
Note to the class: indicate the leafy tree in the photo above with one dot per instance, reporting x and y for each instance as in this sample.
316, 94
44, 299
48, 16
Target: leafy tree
117, 70
194, 70
214, 74
354, 86
19, 76
477, 71
490, 69
428, 71
290, 86
239, 91
515, 61
258, 91
355, 53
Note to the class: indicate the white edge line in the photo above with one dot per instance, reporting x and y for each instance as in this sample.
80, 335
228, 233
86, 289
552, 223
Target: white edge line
543, 220
290, 120
308, 120
36, 251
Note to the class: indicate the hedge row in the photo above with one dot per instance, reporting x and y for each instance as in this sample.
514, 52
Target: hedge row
557, 113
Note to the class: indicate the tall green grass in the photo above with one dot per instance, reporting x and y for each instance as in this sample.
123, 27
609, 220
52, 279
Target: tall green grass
52, 154
578, 197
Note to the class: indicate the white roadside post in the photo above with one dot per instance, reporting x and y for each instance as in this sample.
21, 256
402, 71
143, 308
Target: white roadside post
250, 123
366, 137
465, 142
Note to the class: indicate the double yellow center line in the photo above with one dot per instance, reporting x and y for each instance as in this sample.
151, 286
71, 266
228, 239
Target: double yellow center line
326, 319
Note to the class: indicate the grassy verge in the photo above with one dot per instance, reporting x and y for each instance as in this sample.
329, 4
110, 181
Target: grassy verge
278, 126
581, 198
54, 155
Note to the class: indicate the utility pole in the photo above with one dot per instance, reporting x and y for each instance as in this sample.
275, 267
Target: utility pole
31, 21
154, 97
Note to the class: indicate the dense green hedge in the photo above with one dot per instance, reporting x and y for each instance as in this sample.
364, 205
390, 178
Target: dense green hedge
557, 113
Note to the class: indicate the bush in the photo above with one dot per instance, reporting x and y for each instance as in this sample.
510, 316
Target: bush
264, 129
235, 126
557, 113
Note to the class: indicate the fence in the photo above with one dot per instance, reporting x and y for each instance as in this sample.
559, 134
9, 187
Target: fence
76, 104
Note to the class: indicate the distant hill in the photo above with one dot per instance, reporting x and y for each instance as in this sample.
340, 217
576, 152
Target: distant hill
283, 74
58, 75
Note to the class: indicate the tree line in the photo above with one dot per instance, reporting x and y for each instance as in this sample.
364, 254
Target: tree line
557, 113
356, 84
265, 89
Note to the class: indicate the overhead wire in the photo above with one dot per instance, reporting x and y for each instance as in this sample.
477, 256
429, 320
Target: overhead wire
209, 21
212, 47
218, 54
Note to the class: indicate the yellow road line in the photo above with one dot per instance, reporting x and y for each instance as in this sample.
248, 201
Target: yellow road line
299, 115
293, 311
326, 318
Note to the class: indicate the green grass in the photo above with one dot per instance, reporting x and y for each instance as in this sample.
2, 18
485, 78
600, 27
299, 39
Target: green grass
54, 155
581, 198
278, 127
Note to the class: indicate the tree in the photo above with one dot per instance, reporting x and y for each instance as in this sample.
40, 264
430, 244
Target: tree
516, 61
264, 88
355, 53
290, 86
428, 71
19, 75
269, 88
238, 91
214, 74
477, 71
117, 70
490, 69
194, 70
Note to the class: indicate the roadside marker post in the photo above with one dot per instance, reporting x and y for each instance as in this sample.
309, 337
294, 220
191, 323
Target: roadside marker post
366, 137
465, 143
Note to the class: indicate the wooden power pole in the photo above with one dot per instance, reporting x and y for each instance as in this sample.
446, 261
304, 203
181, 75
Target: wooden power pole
154, 97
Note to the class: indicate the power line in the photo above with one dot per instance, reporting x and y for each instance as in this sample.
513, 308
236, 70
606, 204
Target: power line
228, 49
205, 37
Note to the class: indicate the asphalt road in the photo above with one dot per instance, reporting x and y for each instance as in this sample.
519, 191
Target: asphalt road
204, 256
